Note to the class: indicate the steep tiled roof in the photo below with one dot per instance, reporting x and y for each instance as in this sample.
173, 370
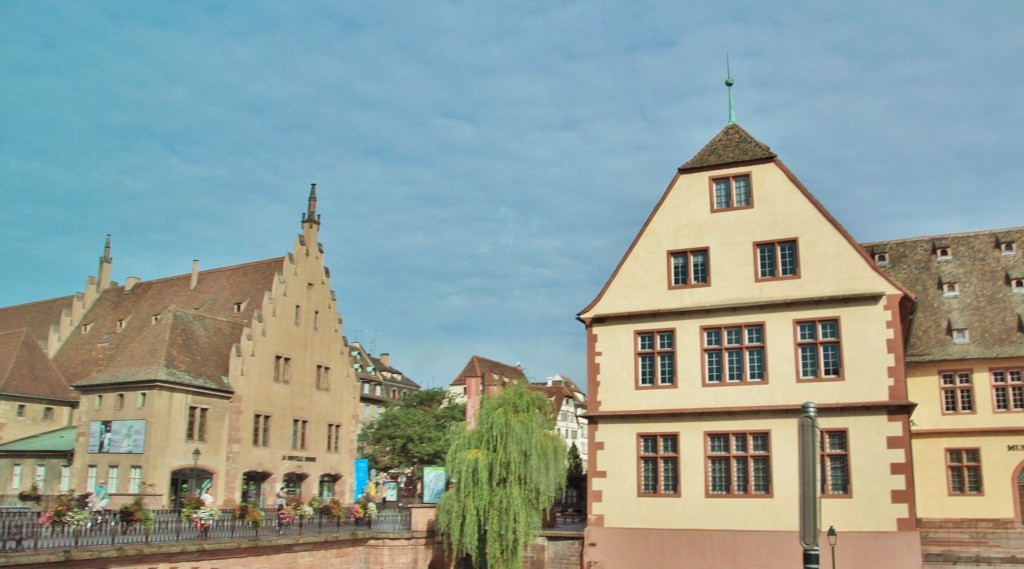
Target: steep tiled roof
120, 316
36, 317
492, 372
731, 145
184, 347
577, 393
985, 304
557, 394
25, 370
60, 440
393, 375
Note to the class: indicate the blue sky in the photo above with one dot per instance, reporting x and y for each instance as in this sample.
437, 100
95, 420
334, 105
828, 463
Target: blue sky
481, 167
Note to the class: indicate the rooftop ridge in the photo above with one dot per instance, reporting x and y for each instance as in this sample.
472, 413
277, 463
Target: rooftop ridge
208, 271
68, 298
943, 235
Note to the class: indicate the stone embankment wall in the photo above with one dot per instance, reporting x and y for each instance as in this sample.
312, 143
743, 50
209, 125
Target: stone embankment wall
361, 550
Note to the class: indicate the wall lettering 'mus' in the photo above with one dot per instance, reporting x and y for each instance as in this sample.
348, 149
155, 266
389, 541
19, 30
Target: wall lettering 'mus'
1014, 448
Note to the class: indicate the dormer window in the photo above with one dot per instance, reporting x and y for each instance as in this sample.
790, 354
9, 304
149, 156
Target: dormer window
238, 307
120, 323
951, 289
942, 253
1007, 248
881, 259
86, 328
156, 318
961, 336
1017, 285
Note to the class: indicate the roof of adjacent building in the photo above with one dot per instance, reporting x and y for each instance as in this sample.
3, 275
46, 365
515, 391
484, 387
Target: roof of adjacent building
984, 303
60, 440
25, 370
732, 145
161, 329
372, 368
557, 394
491, 372
183, 347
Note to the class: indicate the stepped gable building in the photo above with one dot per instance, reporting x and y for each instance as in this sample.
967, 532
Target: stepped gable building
235, 379
964, 365
740, 299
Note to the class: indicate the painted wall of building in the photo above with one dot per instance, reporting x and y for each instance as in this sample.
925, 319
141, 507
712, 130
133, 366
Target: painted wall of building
868, 508
997, 435
20, 418
863, 326
683, 220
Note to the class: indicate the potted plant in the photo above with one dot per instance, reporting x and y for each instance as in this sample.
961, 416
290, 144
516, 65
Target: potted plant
30, 495
135, 513
251, 514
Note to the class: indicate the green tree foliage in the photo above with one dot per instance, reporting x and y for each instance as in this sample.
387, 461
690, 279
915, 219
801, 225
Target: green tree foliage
412, 432
505, 473
575, 462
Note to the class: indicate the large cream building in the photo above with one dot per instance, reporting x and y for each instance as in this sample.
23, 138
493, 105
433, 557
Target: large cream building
740, 299
236, 379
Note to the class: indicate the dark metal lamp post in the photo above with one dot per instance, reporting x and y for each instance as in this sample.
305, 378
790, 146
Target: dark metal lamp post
832, 539
195, 466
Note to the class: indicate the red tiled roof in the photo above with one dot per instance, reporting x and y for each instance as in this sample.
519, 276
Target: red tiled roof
557, 394
185, 347
492, 372
84, 355
36, 317
25, 370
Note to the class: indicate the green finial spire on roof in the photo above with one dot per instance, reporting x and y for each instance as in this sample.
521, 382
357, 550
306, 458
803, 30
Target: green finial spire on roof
729, 83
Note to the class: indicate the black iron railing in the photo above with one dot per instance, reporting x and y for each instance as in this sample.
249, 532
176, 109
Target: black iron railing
21, 530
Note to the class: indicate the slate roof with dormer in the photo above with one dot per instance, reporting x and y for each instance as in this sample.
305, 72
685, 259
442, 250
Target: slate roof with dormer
371, 369
985, 304
392, 375
733, 145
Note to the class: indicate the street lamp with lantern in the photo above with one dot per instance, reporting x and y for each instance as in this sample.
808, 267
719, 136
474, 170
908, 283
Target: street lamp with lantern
832, 539
195, 466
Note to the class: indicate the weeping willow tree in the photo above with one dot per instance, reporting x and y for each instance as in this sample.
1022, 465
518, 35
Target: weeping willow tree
506, 473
